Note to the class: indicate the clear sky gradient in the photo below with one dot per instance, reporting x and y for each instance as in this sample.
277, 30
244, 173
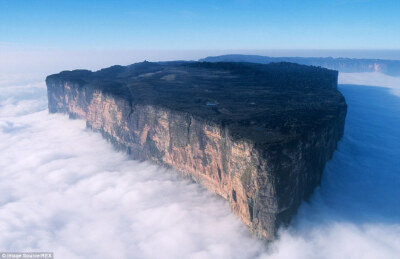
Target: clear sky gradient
205, 24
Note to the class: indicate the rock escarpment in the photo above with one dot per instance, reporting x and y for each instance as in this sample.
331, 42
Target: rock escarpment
347, 65
258, 135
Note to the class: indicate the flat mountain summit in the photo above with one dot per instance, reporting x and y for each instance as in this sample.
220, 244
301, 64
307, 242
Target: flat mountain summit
252, 100
258, 135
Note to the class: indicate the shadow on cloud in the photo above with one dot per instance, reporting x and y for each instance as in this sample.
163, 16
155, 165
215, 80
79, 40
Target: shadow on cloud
355, 213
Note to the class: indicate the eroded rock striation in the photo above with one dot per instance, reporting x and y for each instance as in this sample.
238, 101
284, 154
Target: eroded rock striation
258, 135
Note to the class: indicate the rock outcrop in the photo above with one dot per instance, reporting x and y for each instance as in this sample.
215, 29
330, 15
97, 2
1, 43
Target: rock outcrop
258, 135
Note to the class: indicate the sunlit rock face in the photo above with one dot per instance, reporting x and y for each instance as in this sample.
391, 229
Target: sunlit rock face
257, 135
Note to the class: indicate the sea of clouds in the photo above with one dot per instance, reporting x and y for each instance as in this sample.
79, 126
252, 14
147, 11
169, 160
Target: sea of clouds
64, 189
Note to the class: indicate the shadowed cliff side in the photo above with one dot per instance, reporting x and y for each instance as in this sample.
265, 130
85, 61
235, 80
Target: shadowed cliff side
258, 135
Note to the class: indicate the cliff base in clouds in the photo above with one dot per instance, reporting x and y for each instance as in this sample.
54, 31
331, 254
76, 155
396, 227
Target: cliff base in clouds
258, 135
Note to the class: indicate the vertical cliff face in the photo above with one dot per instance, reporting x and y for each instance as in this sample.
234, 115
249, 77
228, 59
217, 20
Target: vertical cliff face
264, 166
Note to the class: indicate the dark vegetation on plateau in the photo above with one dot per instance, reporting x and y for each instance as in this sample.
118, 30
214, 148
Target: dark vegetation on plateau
261, 102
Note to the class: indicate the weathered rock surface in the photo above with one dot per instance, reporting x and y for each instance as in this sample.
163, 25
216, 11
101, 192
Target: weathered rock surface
258, 135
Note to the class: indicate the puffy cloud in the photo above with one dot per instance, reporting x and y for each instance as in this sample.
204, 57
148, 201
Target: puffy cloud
65, 189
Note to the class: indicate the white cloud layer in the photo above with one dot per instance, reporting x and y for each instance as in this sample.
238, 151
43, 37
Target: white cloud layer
64, 189
372, 79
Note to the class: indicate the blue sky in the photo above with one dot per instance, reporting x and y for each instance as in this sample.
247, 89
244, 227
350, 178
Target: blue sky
205, 24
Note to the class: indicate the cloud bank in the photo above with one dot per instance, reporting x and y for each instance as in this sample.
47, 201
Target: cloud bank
66, 190
372, 79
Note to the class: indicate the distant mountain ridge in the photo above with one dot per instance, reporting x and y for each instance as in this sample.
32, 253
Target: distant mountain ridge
348, 65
